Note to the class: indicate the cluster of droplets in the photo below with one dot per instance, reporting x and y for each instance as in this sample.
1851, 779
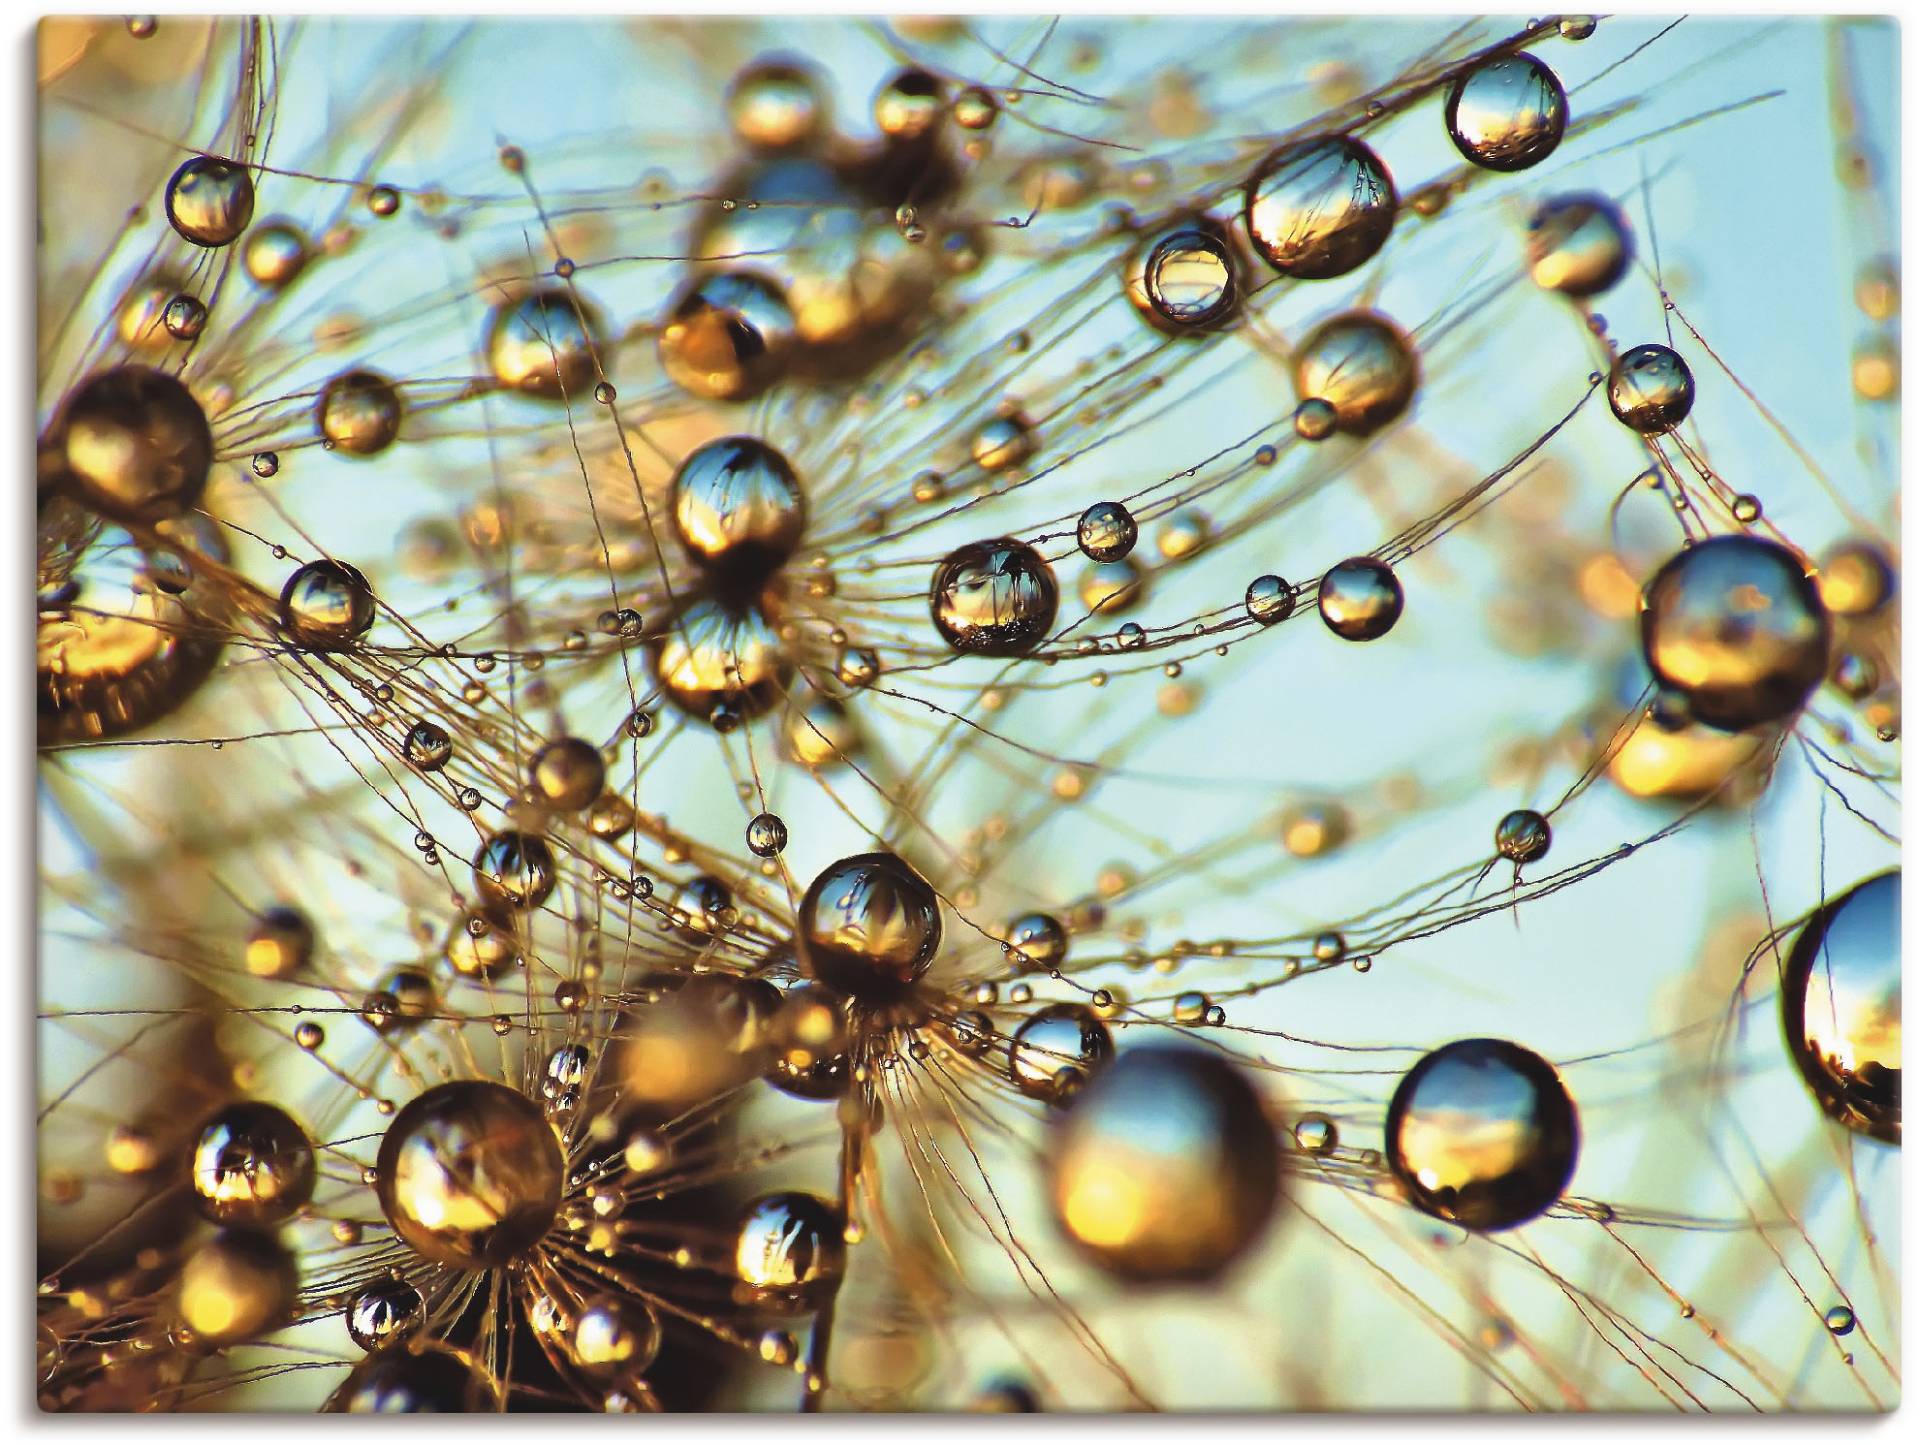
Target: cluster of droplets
822, 264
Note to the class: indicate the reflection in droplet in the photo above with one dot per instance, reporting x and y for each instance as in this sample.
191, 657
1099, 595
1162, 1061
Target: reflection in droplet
133, 444
728, 336
427, 746
1056, 1049
252, 1165
1523, 836
1320, 208
1361, 365
1165, 1168
359, 413
514, 869
790, 1249
470, 1173
209, 201
738, 508
1736, 626
1360, 599
1507, 113
995, 598
1840, 1004
613, 1335
868, 927
1650, 389
1270, 599
713, 659
326, 605
1107, 531
1578, 245
545, 344
384, 1312
1189, 276
1039, 938
1482, 1132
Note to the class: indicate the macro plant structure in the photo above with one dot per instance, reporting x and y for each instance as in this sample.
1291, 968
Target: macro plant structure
1011, 714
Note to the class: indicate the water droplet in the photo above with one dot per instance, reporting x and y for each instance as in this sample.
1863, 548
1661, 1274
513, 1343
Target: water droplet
1003, 443
739, 511
1316, 1134
1507, 113
237, 1286
1876, 291
1876, 369
1315, 419
720, 663
868, 927
427, 746
1840, 1004
995, 599
359, 412
421, 1377
132, 444
545, 344
1165, 1168
469, 1174
326, 605
566, 775
275, 254
1523, 836
1856, 580
1107, 531
252, 1166
790, 1249
1320, 208
1061, 1043
1190, 278
1483, 1133
613, 1335
210, 201
384, 1312
776, 105
728, 336
1111, 588
1736, 626
1184, 533
766, 836
1361, 599
1579, 244
1039, 940
1650, 389
909, 105
514, 870
185, 317
1360, 364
